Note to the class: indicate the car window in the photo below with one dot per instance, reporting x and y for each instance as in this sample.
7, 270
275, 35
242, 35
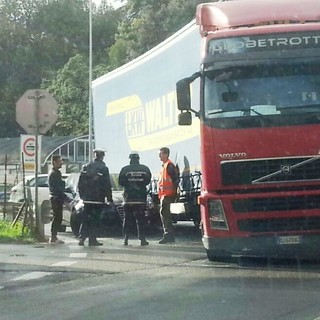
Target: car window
43, 182
31, 181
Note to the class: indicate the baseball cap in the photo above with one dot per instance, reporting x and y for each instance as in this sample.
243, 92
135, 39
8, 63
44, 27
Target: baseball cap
99, 150
134, 154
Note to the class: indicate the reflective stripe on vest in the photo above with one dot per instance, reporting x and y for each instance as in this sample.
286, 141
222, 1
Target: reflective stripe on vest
165, 185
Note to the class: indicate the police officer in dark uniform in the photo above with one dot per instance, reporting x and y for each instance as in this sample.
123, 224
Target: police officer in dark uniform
57, 197
94, 186
134, 178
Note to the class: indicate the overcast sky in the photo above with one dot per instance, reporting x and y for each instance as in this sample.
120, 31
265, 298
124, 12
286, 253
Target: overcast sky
114, 3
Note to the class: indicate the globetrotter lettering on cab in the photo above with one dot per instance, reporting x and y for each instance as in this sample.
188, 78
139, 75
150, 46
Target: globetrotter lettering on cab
254, 43
150, 122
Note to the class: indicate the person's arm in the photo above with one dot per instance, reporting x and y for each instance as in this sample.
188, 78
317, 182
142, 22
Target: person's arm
122, 178
148, 176
173, 174
57, 185
108, 186
82, 183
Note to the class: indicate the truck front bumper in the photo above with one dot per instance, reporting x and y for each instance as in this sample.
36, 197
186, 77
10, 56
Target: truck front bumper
291, 246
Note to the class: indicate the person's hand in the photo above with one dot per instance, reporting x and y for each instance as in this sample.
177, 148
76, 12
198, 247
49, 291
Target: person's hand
69, 204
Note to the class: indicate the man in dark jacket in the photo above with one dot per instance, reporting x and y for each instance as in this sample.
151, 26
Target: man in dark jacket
134, 178
94, 186
57, 197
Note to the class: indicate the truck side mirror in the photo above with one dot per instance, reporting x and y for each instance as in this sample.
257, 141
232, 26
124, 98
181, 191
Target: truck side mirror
185, 118
183, 94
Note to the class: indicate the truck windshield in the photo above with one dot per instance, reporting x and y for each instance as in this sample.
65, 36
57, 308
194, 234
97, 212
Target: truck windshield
281, 93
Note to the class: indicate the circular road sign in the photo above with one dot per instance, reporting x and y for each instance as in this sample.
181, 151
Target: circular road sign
29, 147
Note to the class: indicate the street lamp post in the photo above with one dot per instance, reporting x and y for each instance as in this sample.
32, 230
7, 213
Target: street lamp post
90, 83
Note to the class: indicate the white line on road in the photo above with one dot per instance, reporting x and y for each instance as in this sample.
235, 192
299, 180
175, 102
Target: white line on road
64, 264
32, 275
75, 247
78, 254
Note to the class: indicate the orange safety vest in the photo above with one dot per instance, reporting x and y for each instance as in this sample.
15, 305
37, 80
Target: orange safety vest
165, 185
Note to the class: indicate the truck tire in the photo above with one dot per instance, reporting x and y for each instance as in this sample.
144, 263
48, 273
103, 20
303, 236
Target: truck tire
75, 223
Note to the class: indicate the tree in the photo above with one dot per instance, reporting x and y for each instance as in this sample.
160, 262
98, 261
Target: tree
37, 38
45, 43
147, 23
70, 88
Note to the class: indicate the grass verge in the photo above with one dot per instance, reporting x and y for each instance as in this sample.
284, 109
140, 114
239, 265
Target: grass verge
14, 234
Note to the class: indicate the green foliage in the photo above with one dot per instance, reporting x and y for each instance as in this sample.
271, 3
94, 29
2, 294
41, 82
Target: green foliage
147, 23
70, 88
14, 234
45, 44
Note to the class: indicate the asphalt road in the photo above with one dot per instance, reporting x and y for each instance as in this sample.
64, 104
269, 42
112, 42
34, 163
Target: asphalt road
173, 281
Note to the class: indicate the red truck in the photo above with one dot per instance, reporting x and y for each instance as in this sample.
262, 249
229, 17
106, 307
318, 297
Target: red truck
259, 111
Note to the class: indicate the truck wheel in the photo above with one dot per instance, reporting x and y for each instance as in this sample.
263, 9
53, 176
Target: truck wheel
75, 223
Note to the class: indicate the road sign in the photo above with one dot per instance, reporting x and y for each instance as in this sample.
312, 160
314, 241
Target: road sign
28, 149
36, 107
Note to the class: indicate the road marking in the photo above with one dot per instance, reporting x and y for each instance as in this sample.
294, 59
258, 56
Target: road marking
78, 254
64, 264
32, 275
75, 247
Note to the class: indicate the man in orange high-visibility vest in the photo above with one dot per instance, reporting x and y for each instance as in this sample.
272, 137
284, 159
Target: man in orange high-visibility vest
167, 193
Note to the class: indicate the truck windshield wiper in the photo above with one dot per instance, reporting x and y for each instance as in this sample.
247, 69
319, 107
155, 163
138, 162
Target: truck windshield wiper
245, 110
217, 111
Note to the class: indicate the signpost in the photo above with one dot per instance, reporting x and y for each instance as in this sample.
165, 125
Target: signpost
36, 113
28, 150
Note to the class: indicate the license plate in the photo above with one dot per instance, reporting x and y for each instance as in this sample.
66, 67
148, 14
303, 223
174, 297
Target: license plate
289, 240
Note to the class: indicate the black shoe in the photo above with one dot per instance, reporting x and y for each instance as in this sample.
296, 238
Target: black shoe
144, 242
125, 242
81, 243
95, 244
55, 240
167, 239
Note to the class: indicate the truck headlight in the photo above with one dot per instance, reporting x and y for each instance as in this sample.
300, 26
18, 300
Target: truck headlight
217, 216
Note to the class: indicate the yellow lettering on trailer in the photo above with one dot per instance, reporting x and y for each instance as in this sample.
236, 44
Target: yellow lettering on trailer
123, 104
135, 123
153, 123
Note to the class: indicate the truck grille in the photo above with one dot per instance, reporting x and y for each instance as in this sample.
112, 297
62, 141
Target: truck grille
270, 170
305, 202
279, 224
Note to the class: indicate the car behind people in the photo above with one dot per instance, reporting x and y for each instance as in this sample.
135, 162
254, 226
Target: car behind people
111, 216
17, 194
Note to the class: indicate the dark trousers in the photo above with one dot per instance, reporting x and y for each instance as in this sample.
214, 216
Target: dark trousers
57, 207
90, 225
134, 214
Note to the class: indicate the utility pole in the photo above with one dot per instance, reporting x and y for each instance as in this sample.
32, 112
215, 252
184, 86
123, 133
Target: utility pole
90, 84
